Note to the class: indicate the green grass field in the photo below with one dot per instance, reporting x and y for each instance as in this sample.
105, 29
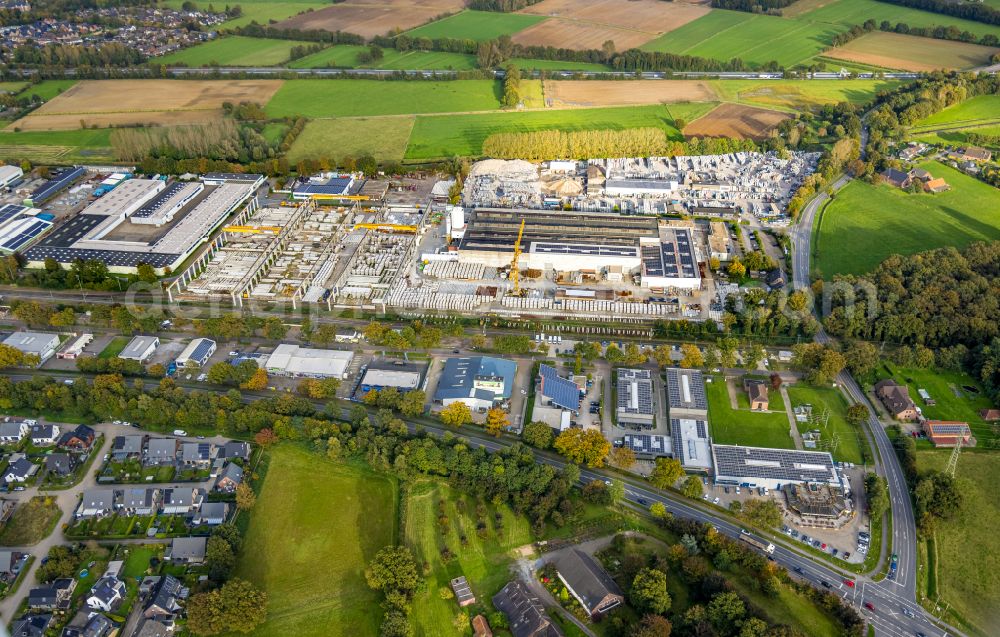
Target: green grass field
30, 523
274, 132
797, 95
54, 147
865, 224
968, 556
12, 87
476, 25
115, 347
979, 110
851, 12
47, 89
957, 137
744, 427
259, 11
346, 56
435, 137
381, 137
484, 561
234, 51
315, 526
756, 39
941, 385
556, 65
340, 98
849, 437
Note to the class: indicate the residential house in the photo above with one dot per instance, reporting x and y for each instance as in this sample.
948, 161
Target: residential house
80, 438
463, 592
525, 614
230, 478
127, 447
96, 503
947, 433
588, 583
165, 602
936, 185
9, 563
235, 449
211, 514
107, 594
54, 596
88, 624
757, 392
186, 550
19, 470
989, 415
60, 464
974, 153
139, 501
30, 626
196, 454
44, 435
481, 627
896, 178
155, 628
161, 451
181, 501
911, 152
921, 174
13, 431
896, 400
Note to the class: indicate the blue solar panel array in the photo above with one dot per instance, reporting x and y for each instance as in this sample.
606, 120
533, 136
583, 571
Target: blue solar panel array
202, 350
9, 211
57, 184
36, 228
561, 391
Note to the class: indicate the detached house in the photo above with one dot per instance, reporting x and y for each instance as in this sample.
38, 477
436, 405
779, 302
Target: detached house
588, 583
60, 464
211, 514
235, 449
107, 594
230, 478
187, 550
165, 602
96, 502
127, 447
896, 400
19, 470
30, 626
196, 454
44, 435
757, 392
54, 596
13, 431
80, 438
181, 501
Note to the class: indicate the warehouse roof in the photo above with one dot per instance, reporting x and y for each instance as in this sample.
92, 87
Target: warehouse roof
59, 181
737, 463
686, 389
196, 350
459, 376
138, 346
561, 391
648, 444
31, 342
304, 361
635, 391
399, 378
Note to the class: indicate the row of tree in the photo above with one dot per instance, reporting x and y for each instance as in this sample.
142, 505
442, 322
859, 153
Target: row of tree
938, 32
556, 144
772, 7
223, 140
977, 11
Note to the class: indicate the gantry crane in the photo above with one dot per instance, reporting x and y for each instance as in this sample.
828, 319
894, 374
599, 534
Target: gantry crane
515, 273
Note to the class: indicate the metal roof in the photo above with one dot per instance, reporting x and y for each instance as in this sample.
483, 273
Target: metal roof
736, 462
686, 389
561, 391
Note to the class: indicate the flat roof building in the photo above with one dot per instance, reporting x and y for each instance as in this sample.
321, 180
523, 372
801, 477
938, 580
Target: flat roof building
293, 360
197, 352
772, 468
686, 393
647, 446
75, 348
10, 175
140, 348
126, 198
691, 444
556, 390
635, 399
478, 381
61, 180
41, 344
404, 378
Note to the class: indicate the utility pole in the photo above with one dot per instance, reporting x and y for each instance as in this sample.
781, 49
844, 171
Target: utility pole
953, 460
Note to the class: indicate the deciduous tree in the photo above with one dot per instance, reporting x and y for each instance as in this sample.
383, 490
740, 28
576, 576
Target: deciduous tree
456, 414
588, 447
666, 472
649, 592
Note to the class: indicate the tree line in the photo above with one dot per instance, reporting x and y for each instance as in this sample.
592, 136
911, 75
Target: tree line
500, 6
976, 11
771, 7
937, 32
77, 55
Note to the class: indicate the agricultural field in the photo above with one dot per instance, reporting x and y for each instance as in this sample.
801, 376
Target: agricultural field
13, 87
369, 19
106, 103
346, 56
57, 147
259, 11
977, 111
954, 401
573, 34
347, 98
234, 51
799, 95
556, 65
315, 526
965, 571
851, 12
956, 136
483, 558
867, 223
756, 39
435, 137
475, 25
383, 138
849, 438
911, 53
736, 120
729, 426
48, 89
561, 93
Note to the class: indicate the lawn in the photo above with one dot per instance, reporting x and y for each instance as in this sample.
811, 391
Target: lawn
942, 385
382, 137
47, 89
476, 25
976, 111
340, 98
12, 87
744, 427
56, 147
115, 347
483, 559
138, 558
957, 136
849, 437
968, 555
274, 132
31, 522
259, 11
444, 136
315, 526
756, 39
912, 53
851, 12
798, 95
346, 56
867, 223
234, 51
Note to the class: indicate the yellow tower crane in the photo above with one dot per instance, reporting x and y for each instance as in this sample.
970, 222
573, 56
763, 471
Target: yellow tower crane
515, 273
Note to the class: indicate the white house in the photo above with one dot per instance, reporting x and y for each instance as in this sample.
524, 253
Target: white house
44, 435
106, 594
13, 431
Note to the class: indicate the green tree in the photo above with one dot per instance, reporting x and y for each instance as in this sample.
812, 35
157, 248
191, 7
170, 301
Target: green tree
411, 404
588, 447
245, 497
666, 472
652, 626
725, 611
613, 354
220, 558
538, 434
496, 421
658, 510
692, 487
857, 414
762, 513
237, 606
649, 592
274, 329
393, 569
862, 358
692, 356
456, 414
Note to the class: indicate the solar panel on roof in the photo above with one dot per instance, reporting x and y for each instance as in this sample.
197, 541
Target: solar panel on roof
561, 391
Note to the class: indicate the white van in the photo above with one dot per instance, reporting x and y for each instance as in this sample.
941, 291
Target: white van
180, 432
